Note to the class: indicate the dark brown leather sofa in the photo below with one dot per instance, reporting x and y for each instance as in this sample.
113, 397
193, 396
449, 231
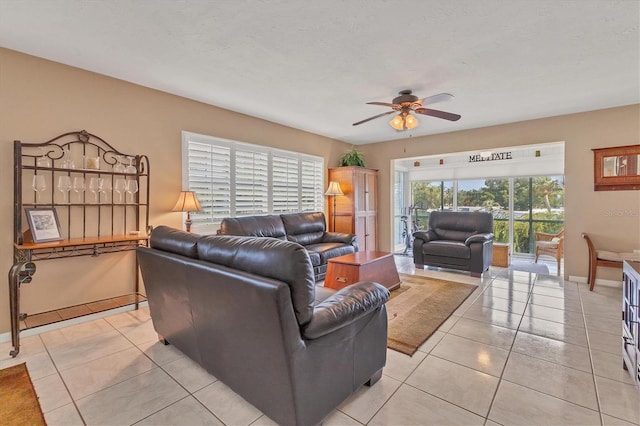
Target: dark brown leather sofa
456, 240
307, 229
248, 311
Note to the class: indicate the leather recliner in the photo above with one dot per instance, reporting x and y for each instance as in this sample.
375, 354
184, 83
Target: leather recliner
456, 240
307, 229
248, 311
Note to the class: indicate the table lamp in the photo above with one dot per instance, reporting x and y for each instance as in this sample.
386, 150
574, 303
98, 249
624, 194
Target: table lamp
187, 202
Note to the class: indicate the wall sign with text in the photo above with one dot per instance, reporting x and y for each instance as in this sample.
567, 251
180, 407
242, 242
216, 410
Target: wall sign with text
493, 156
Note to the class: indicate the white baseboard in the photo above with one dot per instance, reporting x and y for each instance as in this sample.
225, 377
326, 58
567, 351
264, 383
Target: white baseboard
599, 281
6, 337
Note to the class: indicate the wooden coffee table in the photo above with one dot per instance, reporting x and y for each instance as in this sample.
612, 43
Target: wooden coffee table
376, 266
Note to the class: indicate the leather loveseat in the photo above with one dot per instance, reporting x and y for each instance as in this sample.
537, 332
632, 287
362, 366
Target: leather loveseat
307, 229
456, 240
248, 311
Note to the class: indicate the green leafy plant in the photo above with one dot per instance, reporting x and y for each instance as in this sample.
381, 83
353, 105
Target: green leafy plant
352, 158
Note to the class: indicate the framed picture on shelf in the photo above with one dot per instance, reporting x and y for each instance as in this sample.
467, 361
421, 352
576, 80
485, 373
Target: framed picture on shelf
43, 224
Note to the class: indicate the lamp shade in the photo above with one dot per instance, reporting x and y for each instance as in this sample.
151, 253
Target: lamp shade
187, 202
397, 122
334, 189
411, 121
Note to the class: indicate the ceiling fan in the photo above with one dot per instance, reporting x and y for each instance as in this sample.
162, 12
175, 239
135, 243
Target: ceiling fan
407, 103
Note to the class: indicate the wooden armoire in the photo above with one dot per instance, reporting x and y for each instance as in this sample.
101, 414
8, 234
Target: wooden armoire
356, 211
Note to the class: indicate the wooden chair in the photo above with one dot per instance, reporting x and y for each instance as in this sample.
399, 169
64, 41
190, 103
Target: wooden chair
609, 259
551, 245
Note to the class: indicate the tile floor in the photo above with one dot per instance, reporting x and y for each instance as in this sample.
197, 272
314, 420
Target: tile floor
522, 350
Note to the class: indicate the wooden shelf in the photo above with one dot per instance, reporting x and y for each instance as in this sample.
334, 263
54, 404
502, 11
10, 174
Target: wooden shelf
87, 241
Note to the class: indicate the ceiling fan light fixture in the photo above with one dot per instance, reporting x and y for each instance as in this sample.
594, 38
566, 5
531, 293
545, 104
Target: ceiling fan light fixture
406, 104
397, 122
411, 121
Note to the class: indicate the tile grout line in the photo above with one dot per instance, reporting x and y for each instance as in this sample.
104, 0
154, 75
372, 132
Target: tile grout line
593, 369
189, 394
500, 379
486, 417
73, 401
404, 381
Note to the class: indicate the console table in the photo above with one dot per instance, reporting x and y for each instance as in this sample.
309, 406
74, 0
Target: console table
91, 225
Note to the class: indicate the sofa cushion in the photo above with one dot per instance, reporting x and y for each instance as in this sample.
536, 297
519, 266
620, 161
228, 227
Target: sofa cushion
547, 244
452, 234
175, 241
328, 251
255, 226
447, 248
304, 228
459, 226
315, 257
281, 260
322, 293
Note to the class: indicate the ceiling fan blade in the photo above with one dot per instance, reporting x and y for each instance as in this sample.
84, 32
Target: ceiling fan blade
440, 114
374, 117
382, 104
440, 97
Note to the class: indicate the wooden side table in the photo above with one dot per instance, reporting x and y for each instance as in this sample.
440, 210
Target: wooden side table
501, 255
376, 266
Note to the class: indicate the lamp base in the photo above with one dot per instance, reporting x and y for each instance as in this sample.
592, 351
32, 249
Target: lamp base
188, 222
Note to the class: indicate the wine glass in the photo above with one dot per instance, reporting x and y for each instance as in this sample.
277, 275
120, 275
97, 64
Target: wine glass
132, 188
78, 186
119, 167
39, 185
105, 188
120, 187
131, 168
64, 186
95, 185
43, 161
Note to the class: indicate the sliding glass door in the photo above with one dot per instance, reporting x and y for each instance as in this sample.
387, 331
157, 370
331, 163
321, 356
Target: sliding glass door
521, 206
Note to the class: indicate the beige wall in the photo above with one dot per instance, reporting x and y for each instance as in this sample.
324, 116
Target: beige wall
40, 99
612, 218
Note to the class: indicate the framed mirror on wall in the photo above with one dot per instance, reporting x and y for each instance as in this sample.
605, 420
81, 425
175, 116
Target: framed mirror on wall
616, 168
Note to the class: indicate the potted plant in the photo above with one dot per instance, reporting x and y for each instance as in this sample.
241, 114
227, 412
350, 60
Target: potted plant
352, 158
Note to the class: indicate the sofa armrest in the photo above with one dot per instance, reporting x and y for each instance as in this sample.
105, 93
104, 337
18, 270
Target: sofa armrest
425, 235
344, 307
338, 237
479, 238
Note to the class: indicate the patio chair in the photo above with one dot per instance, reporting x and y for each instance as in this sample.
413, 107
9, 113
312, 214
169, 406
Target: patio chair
550, 245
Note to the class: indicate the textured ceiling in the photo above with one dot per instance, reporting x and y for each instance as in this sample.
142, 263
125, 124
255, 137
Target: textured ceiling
314, 65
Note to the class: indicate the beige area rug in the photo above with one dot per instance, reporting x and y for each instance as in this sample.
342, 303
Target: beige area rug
19, 404
418, 307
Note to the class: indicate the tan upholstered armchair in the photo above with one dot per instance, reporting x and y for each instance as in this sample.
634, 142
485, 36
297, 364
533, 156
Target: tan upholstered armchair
550, 245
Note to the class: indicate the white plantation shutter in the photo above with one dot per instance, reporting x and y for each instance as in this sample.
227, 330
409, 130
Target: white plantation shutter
311, 185
286, 184
209, 169
237, 179
252, 183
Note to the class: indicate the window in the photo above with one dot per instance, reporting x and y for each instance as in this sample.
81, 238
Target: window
238, 179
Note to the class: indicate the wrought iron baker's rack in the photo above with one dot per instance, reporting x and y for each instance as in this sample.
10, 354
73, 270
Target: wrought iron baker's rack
86, 228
